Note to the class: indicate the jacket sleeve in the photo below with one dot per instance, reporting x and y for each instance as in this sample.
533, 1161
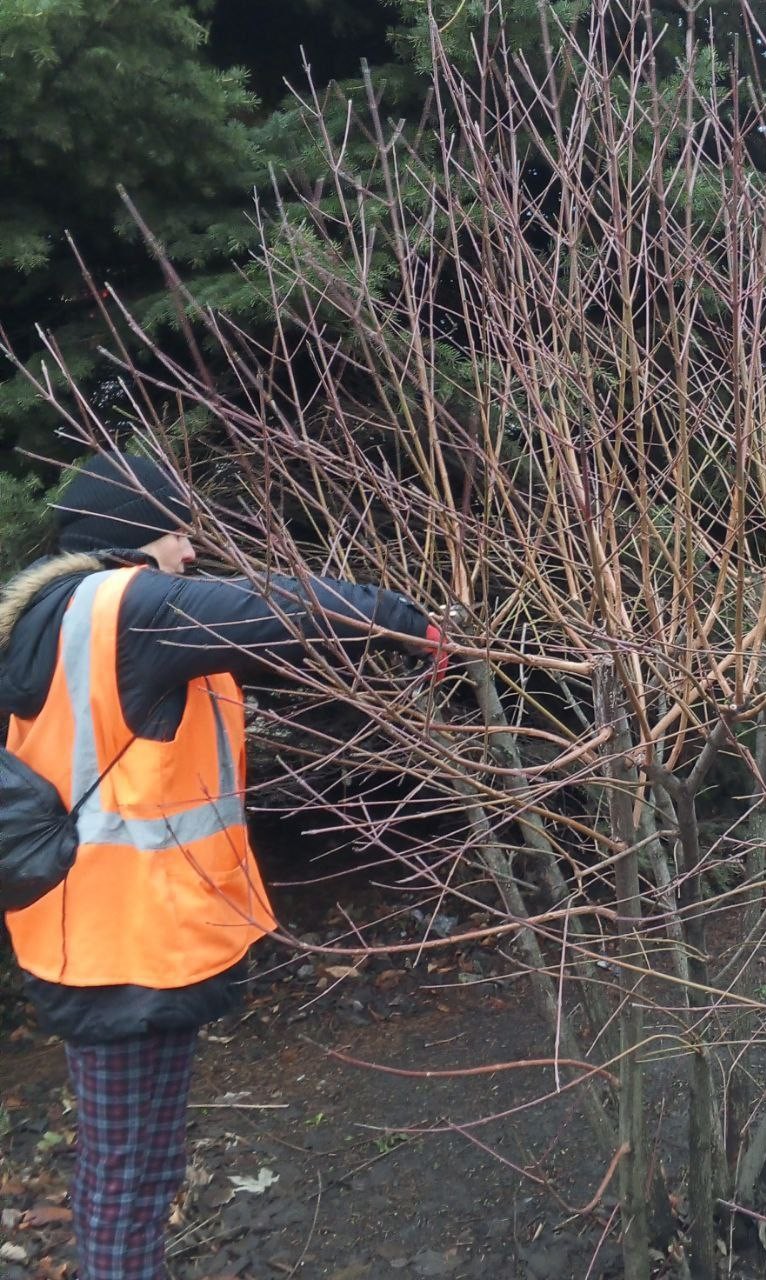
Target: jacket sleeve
172, 630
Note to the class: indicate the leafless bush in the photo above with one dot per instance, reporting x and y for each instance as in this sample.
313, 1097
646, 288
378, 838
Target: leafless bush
547, 425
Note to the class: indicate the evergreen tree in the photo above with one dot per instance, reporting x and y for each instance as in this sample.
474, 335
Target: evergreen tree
94, 93
137, 92
99, 92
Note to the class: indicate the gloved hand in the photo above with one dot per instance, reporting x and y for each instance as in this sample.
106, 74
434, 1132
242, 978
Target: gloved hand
438, 642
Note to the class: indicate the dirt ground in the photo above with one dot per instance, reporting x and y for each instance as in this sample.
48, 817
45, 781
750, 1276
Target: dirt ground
303, 1163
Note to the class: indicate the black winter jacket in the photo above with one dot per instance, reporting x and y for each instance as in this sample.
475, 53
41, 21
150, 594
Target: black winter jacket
171, 630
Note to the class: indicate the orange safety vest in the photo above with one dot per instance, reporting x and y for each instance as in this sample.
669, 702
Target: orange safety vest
165, 890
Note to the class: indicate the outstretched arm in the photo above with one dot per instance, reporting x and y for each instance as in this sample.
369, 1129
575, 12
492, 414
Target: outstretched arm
173, 630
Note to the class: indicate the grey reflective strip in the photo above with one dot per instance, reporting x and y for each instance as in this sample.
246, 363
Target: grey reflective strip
75, 655
96, 825
228, 782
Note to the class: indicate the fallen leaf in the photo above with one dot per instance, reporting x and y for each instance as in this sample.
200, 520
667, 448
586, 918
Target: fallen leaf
388, 978
57, 1197
13, 1253
197, 1175
12, 1187
44, 1215
217, 1198
176, 1218
257, 1185
47, 1269
342, 971
43, 1182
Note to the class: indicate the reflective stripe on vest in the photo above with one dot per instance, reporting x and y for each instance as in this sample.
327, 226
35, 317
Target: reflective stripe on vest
96, 825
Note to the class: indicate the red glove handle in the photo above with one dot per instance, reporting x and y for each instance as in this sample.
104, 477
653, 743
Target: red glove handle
438, 642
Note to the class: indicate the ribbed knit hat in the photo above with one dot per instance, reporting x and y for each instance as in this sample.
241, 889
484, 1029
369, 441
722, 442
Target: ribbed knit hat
106, 505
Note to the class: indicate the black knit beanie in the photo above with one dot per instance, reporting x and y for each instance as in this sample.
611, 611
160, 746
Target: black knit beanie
105, 505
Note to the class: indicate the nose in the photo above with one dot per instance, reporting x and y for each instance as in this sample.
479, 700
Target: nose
188, 554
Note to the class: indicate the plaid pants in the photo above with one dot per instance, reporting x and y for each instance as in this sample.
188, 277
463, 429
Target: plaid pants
131, 1150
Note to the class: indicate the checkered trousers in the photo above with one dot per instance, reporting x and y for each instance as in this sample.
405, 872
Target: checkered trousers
131, 1150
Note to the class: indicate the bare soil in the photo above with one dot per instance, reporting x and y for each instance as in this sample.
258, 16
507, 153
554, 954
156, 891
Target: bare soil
303, 1163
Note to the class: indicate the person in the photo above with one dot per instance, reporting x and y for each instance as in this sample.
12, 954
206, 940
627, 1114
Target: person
116, 666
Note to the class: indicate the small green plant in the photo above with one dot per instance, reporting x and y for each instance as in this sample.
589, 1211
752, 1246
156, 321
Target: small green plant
49, 1140
389, 1142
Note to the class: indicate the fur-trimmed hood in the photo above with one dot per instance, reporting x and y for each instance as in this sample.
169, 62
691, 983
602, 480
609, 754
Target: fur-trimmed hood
32, 607
18, 594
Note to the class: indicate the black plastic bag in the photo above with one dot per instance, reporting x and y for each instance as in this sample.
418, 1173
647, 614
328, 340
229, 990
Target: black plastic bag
38, 836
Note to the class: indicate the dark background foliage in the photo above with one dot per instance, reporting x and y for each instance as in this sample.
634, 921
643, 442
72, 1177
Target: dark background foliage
184, 106
187, 106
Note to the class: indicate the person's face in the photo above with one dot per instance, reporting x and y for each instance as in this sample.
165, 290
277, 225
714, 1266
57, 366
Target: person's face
173, 552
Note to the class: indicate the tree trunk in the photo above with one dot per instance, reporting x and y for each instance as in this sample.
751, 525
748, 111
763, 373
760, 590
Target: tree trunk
499, 865
750, 1161
701, 1093
536, 840
634, 1169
